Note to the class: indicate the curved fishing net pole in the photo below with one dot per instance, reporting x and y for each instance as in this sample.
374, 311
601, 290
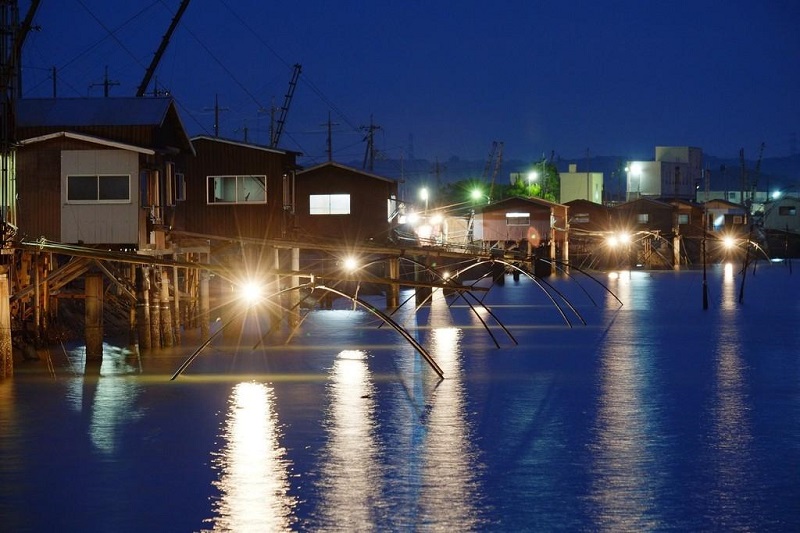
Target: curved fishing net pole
460, 290
538, 284
560, 265
397, 327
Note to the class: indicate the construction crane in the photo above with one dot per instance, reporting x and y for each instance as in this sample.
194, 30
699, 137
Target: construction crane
497, 164
488, 167
276, 135
744, 175
757, 172
162, 47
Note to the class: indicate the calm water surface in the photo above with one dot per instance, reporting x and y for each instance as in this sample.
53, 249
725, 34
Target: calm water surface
654, 415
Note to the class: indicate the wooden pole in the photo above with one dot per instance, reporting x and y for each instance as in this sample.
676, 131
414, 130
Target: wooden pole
176, 306
133, 309
143, 308
205, 305
94, 316
294, 296
6, 354
37, 298
393, 291
155, 311
166, 312
45, 295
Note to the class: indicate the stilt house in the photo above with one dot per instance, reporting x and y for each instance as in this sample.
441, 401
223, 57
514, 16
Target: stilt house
98, 171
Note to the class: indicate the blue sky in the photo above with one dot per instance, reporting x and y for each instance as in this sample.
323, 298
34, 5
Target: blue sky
610, 77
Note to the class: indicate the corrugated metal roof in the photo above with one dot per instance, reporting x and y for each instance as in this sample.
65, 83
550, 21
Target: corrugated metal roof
32, 112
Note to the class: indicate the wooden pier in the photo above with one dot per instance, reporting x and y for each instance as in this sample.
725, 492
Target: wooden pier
159, 294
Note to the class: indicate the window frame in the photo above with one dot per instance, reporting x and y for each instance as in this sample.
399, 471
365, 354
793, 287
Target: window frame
324, 206
239, 189
518, 219
96, 198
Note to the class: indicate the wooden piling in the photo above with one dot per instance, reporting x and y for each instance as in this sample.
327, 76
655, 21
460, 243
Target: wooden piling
155, 310
393, 291
6, 354
205, 305
94, 316
166, 311
143, 308
176, 306
37, 299
294, 296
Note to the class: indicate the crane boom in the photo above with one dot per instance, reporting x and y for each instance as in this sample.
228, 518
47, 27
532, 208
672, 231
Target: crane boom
276, 136
162, 47
498, 162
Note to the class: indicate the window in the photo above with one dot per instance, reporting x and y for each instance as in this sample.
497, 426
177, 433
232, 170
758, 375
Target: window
237, 189
787, 210
518, 219
581, 218
98, 189
683, 218
180, 187
329, 204
643, 218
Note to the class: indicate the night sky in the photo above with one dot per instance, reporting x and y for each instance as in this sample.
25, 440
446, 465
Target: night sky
447, 78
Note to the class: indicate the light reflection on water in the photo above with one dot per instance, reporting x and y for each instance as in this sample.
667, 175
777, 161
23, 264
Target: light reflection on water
623, 491
731, 435
111, 397
656, 416
349, 470
253, 480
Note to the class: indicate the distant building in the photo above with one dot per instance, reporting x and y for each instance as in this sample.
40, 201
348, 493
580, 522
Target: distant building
676, 173
534, 224
755, 198
724, 215
581, 185
783, 215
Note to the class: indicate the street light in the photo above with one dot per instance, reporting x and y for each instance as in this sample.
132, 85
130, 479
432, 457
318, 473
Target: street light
423, 194
477, 194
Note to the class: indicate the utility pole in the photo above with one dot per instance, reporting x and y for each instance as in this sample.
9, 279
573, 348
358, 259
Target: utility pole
369, 154
217, 109
329, 144
107, 83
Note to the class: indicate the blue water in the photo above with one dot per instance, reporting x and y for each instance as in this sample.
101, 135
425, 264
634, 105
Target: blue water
654, 415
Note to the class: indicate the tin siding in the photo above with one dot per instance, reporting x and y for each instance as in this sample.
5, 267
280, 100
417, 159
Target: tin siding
100, 223
258, 221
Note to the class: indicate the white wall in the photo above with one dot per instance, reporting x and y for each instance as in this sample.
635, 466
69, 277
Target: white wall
98, 223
